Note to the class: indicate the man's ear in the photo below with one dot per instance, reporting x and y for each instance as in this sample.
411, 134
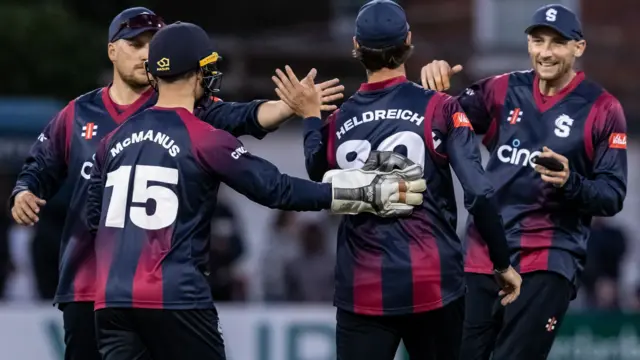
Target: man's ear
581, 46
112, 51
355, 53
408, 41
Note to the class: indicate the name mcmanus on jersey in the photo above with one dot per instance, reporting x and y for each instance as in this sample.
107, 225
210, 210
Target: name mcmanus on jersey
389, 114
157, 137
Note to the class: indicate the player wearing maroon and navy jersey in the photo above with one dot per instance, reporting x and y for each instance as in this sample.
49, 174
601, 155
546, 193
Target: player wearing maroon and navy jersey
401, 279
151, 198
62, 156
527, 118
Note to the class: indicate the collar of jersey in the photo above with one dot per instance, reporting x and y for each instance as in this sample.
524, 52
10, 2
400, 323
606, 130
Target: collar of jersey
380, 85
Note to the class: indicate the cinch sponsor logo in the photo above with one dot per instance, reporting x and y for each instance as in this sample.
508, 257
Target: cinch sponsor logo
514, 155
618, 141
238, 152
85, 171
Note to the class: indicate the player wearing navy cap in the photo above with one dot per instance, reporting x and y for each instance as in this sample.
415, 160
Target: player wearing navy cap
558, 157
402, 279
151, 199
62, 157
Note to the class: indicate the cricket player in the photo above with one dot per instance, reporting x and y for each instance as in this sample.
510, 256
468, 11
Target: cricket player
402, 279
151, 199
558, 157
62, 156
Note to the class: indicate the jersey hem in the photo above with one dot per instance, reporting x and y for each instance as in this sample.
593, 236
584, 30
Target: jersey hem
534, 269
72, 298
477, 270
155, 305
402, 310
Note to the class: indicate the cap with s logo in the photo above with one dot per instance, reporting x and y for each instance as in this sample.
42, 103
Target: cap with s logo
558, 18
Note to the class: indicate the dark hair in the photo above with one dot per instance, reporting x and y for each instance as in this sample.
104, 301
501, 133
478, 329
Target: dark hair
390, 57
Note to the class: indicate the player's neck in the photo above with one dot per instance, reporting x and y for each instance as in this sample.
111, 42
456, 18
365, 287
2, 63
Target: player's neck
385, 74
123, 94
168, 97
552, 87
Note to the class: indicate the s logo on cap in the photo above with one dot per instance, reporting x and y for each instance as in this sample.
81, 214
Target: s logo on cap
551, 14
163, 64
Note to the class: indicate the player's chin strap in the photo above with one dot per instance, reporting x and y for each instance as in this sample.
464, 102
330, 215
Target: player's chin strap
152, 81
384, 193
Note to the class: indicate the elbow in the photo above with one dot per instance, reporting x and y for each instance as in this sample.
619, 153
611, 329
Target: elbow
314, 174
613, 205
480, 201
314, 171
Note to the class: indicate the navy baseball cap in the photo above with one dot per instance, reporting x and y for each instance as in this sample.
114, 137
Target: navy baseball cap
559, 18
381, 24
133, 22
179, 48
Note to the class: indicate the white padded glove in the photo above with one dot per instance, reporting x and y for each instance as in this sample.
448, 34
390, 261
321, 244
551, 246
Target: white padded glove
385, 194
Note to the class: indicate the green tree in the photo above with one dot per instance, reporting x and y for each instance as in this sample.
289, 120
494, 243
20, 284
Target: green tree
47, 51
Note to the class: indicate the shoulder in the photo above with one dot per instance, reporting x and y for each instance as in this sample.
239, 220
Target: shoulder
90, 97
208, 103
605, 100
520, 75
501, 82
609, 101
204, 135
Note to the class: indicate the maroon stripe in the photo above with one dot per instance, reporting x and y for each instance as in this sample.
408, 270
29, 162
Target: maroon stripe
331, 154
477, 258
367, 283
497, 95
104, 247
425, 262
148, 287
536, 239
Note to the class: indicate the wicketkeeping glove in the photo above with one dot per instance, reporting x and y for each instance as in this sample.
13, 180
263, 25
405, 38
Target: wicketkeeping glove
386, 194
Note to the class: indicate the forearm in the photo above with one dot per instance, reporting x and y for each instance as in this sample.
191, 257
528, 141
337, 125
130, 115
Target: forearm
491, 229
42, 184
598, 197
289, 193
315, 149
272, 114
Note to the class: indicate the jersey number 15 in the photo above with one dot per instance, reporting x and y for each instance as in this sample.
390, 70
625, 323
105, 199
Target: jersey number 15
166, 199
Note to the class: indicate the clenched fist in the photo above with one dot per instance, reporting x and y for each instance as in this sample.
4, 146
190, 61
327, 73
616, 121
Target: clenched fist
436, 75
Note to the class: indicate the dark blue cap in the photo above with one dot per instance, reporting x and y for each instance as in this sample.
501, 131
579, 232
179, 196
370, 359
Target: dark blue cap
133, 22
179, 48
381, 24
559, 18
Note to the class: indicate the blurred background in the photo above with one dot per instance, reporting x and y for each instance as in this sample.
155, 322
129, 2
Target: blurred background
272, 271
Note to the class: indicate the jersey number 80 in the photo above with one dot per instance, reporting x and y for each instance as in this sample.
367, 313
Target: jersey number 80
362, 148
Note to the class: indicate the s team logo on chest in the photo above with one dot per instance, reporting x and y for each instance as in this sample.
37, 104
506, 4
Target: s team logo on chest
563, 126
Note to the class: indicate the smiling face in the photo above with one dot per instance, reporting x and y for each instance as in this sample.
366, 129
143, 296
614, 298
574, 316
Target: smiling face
128, 57
552, 55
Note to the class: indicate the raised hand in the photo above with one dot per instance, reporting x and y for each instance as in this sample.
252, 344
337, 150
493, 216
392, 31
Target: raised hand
303, 97
330, 91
